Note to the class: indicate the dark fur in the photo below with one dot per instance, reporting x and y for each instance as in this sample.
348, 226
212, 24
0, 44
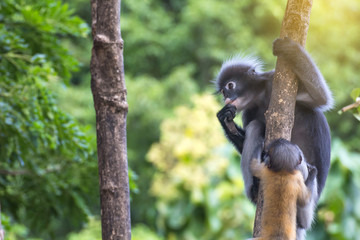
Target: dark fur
252, 96
287, 155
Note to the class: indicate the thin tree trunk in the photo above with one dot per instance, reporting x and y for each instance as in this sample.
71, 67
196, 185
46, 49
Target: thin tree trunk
109, 92
280, 114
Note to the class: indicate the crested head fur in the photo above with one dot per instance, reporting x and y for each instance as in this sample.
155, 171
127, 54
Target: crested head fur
238, 64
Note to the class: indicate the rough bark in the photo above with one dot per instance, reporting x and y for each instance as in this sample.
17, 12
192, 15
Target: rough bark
280, 114
109, 92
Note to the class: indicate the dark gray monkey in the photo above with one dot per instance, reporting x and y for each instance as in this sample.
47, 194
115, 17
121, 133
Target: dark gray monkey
247, 89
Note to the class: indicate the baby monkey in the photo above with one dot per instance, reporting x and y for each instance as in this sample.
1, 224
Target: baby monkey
282, 175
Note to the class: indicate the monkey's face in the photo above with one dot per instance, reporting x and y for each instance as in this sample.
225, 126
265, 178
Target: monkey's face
242, 82
243, 90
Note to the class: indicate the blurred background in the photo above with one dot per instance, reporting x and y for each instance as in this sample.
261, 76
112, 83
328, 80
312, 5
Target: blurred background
185, 177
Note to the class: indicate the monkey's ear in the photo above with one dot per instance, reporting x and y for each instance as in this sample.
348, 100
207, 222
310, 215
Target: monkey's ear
253, 73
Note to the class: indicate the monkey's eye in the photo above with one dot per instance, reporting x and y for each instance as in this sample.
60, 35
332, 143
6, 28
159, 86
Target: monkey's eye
230, 85
300, 160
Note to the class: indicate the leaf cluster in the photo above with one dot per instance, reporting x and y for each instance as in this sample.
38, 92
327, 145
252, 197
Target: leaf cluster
339, 208
41, 147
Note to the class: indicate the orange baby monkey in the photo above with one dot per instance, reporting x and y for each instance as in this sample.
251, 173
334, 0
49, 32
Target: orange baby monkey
282, 175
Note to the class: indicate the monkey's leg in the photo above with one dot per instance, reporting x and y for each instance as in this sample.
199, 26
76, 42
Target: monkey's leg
317, 91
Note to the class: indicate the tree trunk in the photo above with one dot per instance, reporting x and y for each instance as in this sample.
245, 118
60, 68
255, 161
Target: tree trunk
109, 92
280, 114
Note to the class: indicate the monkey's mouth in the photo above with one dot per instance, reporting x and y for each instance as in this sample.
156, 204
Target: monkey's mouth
240, 103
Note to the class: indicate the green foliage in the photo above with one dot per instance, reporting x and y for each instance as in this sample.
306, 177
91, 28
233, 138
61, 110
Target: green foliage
41, 147
154, 104
172, 51
339, 210
171, 47
198, 184
200, 33
335, 48
36, 28
81, 107
355, 106
355, 95
150, 101
140, 232
92, 231
161, 35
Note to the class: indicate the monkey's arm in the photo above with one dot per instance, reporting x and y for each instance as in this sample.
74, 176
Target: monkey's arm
305, 212
253, 147
316, 92
233, 132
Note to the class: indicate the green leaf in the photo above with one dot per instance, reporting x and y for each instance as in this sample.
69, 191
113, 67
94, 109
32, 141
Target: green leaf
355, 93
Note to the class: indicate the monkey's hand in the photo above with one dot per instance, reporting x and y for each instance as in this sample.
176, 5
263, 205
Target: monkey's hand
284, 47
228, 112
233, 132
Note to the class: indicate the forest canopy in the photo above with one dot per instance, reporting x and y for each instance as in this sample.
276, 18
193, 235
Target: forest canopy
185, 177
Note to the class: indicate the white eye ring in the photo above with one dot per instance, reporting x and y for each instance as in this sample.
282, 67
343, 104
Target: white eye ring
230, 85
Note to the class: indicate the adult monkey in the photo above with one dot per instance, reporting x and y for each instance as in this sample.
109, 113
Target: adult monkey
247, 89
295, 25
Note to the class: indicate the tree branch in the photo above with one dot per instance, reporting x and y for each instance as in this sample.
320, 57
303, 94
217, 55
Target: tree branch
49, 169
351, 106
280, 114
109, 92
15, 172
